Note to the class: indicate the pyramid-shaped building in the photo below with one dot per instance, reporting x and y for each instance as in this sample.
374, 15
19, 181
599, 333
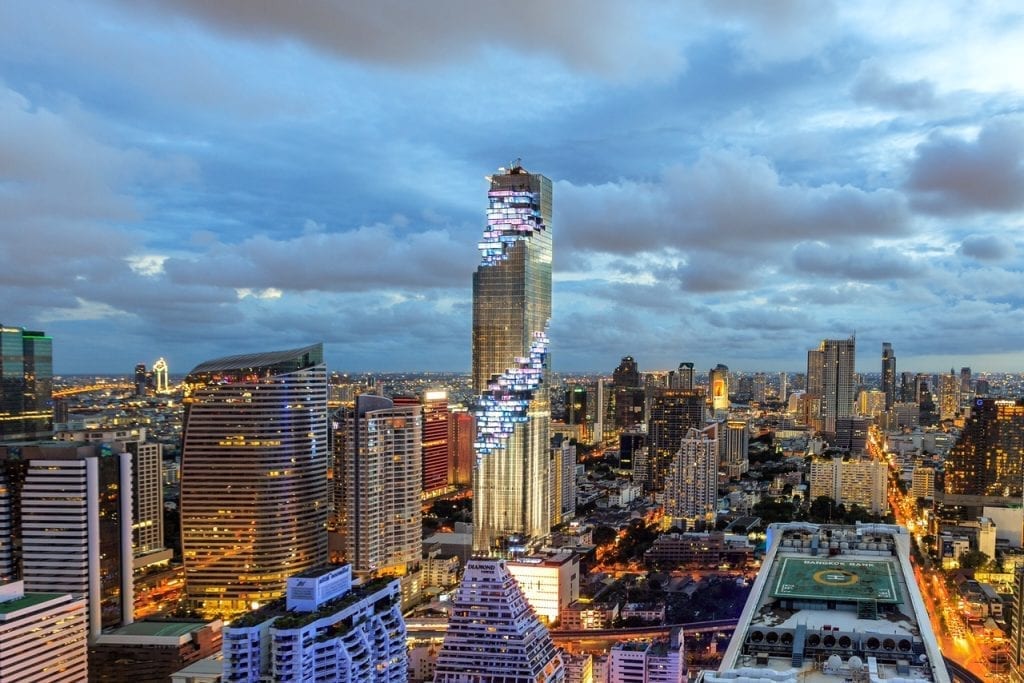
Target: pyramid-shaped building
493, 634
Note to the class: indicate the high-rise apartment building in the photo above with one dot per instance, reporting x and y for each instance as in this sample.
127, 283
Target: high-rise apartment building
830, 383
563, 483
853, 481
253, 476
326, 629
691, 491
511, 312
718, 380
760, 387
889, 375
493, 634
26, 384
68, 508
988, 458
377, 462
734, 442
682, 378
949, 395
783, 386
672, 414
42, 636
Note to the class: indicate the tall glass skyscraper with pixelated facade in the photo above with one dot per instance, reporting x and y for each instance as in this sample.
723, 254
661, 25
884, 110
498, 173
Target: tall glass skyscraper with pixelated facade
253, 477
511, 312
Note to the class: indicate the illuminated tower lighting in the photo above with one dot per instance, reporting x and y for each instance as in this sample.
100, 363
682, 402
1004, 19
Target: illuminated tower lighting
511, 312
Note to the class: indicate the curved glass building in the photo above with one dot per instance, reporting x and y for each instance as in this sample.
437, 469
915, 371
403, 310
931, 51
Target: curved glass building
253, 477
511, 311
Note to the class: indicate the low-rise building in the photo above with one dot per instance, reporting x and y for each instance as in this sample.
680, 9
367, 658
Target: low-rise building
584, 615
711, 549
151, 650
550, 581
660, 661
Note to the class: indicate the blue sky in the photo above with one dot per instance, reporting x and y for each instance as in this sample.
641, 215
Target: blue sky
734, 180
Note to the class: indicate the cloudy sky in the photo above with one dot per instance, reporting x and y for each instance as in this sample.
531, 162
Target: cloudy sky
734, 180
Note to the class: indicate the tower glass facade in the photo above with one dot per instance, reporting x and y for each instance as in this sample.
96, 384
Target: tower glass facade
511, 311
26, 384
988, 459
888, 374
253, 477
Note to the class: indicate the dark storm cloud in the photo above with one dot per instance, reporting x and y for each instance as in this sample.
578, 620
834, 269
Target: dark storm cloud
600, 36
374, 257
726, 200
987, 247
950, 175
875, 86
822, 260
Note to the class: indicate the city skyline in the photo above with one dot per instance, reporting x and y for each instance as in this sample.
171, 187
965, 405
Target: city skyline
733, 183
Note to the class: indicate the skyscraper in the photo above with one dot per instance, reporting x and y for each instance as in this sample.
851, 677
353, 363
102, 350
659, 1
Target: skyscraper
673, 413
830, 382
493, 634
68, 507
511, 311
627, 395
377, 461
26, 384
140, 379
949, 395
988, 458
253, 476
718, 379
888, 374
734, 442
691, 490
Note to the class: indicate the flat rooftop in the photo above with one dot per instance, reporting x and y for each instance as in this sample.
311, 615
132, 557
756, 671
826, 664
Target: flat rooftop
29, 600
172, 629
837, 578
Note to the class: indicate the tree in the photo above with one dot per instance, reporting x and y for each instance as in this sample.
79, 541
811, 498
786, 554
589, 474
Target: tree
973, 559
603, 535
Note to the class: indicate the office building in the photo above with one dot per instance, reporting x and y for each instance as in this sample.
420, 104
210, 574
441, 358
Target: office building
43, 636
253, 477
965, 382
851, 481
141, 379
672, 414
835, 600
852, 433
493, 634
627, 395
889, 375
377, 461
436, 439
26, 384
760, 387
662, 660
511, 313
147, 481
463, 456
734, 442
325, 629
718, 381
65, 537
691, 491
830, 383
988, 458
